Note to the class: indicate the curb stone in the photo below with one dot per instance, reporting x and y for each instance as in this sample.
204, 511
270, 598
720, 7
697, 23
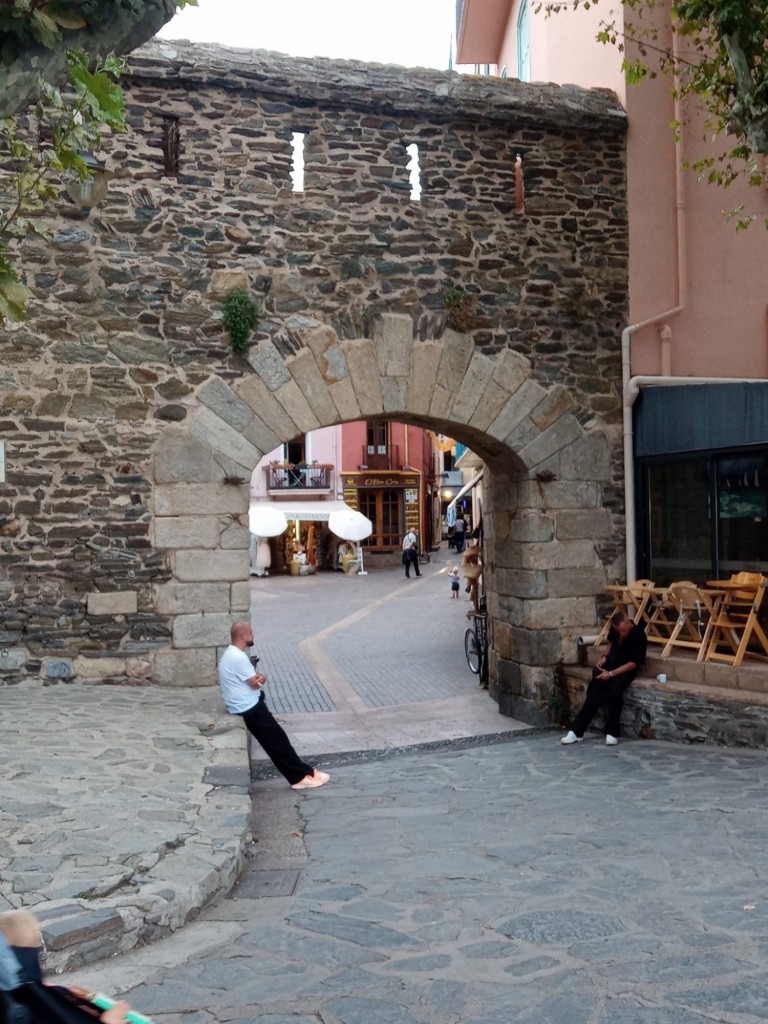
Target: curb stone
175, 889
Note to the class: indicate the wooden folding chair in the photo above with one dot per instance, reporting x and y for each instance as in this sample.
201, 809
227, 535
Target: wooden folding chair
736, 624
697, 611
630, 598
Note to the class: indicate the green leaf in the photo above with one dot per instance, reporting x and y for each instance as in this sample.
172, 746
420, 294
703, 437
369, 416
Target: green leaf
45, 29
64, 16
14, 296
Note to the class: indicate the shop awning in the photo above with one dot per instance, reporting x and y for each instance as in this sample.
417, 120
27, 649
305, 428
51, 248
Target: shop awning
309, 511
466, 488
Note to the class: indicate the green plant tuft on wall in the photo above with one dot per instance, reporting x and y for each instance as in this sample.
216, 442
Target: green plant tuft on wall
460, 306
241, 318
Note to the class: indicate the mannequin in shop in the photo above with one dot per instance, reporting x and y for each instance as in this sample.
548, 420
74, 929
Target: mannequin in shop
261, 556
347, 558
299, 557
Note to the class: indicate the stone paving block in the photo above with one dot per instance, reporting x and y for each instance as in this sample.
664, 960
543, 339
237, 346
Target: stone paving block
260, 884
86, 926
221, 776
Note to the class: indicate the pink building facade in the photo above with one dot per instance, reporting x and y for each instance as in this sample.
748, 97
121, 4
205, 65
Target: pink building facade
386, 470
696, 342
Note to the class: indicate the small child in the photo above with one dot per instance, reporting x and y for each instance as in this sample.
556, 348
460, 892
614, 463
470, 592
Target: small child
454, 575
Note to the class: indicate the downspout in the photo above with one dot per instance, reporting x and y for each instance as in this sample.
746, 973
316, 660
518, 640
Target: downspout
626, 334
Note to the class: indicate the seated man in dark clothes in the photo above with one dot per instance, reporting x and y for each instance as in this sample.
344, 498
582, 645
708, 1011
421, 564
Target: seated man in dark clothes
610, 679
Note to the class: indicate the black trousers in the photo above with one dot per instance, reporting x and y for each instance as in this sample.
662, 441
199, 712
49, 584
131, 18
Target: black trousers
272, 738
413, 560
609, 693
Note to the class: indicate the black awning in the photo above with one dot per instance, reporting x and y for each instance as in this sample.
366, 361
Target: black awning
700, 417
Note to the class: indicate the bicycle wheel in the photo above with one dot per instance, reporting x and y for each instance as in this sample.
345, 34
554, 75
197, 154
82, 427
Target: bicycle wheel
472, 651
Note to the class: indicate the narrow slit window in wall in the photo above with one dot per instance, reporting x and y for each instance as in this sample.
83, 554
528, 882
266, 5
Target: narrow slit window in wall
519, 185
297, 162
171, 146
415, 171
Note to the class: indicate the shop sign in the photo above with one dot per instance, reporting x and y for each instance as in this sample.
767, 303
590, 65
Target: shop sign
379, 480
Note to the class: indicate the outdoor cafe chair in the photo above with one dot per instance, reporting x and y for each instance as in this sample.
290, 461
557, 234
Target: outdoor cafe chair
736, 624
697, 610
631, 598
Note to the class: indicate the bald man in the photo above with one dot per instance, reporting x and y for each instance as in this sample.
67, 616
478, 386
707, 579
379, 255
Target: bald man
241, 688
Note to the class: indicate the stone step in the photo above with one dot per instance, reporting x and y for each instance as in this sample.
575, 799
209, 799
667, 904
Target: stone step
682, 711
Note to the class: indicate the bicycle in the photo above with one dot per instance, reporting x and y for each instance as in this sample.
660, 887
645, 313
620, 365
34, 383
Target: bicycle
476, 641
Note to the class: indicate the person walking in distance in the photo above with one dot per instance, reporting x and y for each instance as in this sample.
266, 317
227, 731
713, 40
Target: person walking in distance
241, 687
611, 678
460, 531
411, 552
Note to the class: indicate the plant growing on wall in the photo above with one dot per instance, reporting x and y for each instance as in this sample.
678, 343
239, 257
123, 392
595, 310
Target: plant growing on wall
460, 308
38, 52
241, 318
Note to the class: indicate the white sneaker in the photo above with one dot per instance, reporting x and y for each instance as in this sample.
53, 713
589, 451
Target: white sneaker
313, 781
611, 741
571, 737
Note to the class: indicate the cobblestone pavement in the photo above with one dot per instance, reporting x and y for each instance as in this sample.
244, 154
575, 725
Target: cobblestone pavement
109, 826
520, 882
395, 641
124, 809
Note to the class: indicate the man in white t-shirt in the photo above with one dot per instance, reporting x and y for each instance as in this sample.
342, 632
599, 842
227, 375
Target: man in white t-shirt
411, 552
241, 687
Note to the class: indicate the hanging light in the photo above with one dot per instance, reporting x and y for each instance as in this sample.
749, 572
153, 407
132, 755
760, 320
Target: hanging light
89, 192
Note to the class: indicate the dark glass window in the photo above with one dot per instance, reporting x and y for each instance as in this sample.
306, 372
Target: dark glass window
704, 516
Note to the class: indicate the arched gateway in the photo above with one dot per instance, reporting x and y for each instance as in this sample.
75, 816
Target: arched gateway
131, 430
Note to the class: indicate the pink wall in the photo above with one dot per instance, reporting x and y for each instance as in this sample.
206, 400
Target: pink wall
555, 55
323, 445
354, 439
722, 330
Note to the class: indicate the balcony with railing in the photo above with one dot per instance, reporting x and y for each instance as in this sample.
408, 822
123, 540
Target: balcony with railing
313, 478
381, 456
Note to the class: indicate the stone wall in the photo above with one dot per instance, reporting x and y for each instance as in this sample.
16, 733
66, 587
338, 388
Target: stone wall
131, 429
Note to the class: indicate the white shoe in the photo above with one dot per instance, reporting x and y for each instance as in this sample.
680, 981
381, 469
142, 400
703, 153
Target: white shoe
313, 781
571, 737
611, 741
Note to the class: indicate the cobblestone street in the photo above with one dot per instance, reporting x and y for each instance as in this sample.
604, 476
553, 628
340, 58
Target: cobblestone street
516, 882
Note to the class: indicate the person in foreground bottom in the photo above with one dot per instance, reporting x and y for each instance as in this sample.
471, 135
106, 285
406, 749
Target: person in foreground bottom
611, 678
241, 687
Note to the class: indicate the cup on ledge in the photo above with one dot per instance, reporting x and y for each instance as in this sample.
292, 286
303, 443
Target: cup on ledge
661, 677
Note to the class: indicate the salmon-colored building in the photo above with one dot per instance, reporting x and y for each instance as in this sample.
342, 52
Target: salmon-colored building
386, 470
696, 342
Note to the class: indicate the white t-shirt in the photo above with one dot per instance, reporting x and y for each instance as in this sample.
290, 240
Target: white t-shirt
409, 540
234, 669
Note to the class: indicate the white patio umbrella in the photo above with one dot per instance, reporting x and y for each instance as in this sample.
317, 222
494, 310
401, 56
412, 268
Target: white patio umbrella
349, 524
266, 521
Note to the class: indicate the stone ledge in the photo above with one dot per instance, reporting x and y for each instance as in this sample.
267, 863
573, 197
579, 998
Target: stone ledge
175, 890
684, 711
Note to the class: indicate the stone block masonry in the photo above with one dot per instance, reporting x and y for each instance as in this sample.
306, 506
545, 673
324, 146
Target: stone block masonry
131, 429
